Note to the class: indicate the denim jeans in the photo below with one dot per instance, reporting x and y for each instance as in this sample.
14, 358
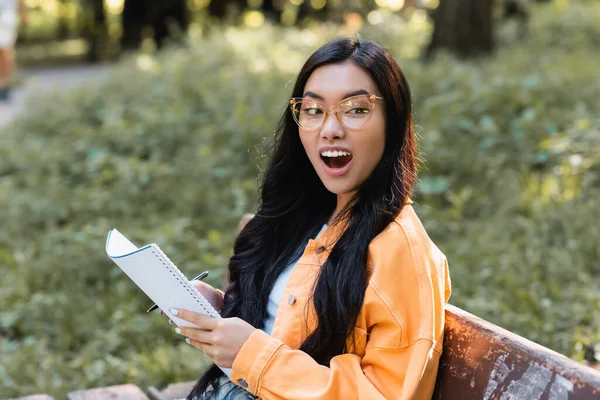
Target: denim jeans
227, 391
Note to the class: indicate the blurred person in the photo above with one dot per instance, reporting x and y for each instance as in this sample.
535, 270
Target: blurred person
11, 13
335, 289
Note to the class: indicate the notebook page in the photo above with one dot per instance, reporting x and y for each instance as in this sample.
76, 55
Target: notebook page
154, 273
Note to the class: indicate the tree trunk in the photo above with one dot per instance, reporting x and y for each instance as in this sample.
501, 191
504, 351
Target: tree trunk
220, 8
462, 26
272, 10
94, 28
134, 18
519, 11
169, 14
62, 30
160, 15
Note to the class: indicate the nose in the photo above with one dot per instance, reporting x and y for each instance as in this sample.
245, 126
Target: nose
332, 129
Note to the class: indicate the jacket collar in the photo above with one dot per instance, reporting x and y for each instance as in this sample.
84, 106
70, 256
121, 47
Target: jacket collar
329, 237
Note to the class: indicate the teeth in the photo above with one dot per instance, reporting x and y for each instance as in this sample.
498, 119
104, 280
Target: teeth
335, 153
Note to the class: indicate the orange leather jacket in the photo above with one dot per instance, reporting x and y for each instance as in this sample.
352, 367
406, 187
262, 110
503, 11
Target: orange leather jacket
398, 332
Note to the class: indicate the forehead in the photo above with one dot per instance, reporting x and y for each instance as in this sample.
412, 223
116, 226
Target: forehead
334, 81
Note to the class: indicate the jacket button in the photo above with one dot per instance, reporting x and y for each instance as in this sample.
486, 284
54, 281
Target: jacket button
291, 299
243, 383
320, 250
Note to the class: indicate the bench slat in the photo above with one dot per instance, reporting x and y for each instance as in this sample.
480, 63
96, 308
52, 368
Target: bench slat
483, 361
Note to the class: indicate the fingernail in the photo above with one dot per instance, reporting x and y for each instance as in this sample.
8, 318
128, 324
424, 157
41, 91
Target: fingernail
173, 311
187, 340
177, 330
170, 322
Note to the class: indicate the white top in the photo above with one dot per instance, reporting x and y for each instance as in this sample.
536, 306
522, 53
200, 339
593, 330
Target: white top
9, 4
277, 293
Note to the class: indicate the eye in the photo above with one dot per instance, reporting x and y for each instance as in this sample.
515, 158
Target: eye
356, 107
313, 111
358, 111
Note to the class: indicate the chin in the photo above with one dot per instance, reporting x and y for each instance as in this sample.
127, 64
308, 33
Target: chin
338, 188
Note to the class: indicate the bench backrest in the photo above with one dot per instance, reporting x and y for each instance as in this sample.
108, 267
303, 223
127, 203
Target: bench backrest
483, 361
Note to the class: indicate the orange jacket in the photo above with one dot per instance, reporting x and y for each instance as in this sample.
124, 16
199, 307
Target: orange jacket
398, 332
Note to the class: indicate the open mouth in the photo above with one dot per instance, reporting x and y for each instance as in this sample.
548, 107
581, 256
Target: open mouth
336, 159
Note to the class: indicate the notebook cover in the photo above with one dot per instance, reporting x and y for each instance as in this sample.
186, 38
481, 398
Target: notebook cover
152, 271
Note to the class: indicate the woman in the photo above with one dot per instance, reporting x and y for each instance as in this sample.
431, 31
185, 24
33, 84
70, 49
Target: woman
336, 291
11, 13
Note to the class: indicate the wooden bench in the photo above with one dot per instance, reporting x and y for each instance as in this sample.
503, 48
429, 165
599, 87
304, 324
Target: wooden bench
480, 361
483, 361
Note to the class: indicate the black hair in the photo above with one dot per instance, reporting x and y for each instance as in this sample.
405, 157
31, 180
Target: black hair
294, 205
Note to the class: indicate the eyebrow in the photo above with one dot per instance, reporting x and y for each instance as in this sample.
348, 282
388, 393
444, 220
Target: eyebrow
319, 97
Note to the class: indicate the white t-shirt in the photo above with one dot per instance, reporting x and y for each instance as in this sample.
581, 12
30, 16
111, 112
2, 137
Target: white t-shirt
9, 23
9, 26
277, 293
9, 4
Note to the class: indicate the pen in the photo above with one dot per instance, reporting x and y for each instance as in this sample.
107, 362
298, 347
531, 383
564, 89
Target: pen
198, 278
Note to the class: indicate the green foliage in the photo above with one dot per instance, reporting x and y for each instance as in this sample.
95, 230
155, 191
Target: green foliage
168, 150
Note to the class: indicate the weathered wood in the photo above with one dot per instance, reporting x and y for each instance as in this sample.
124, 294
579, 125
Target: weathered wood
121, 392
484, 361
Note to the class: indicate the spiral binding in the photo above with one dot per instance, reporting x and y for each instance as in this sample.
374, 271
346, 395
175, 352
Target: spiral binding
208, 308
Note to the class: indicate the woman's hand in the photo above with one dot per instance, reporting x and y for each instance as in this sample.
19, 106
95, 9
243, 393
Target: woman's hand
220, 339
214, 296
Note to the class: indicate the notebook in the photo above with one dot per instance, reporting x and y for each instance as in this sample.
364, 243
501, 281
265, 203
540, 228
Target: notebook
153, 272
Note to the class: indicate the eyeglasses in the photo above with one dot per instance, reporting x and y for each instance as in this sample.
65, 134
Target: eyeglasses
353, 112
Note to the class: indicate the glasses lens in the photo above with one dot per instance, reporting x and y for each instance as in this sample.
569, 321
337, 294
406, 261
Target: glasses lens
356, 111
308, 114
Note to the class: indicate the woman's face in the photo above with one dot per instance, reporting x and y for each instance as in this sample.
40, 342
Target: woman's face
343, 158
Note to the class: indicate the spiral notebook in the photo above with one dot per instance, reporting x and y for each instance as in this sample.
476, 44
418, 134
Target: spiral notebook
153, 272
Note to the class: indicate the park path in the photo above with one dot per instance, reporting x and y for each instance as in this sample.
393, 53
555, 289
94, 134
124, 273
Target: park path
39, 80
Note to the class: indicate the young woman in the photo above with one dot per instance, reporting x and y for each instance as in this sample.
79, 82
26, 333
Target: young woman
11, 13
336, 291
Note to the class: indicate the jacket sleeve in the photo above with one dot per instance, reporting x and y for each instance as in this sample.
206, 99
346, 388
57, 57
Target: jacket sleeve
403, 309
272, 371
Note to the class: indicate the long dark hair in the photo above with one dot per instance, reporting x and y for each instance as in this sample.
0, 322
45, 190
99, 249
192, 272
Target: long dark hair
295, 204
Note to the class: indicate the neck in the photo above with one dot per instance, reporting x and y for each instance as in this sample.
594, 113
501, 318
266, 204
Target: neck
342, 200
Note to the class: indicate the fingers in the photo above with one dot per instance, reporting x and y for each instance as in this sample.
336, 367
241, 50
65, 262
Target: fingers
219, 339
210, 351
199, 339
202, 321
200, 285
203, 338
170, 322
206, 337
206, 348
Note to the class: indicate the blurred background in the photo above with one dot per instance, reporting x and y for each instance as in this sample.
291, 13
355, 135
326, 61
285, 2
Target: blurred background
154, 117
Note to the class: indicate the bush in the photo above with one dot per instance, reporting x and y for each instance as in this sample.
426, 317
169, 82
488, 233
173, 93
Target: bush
169, 149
